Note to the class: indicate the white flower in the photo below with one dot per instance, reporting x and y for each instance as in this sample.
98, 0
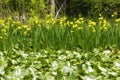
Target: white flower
1, 53
38, 55
112, 73
107, 52
33, 70
88, 78
77, 54
70, 55
45, 51
68, 52
54, 65
23, 54
18, 71
62, 57
88, 63
90, 69
67, 69
117, 64
2, 70
59, 51
54, 73
68, 63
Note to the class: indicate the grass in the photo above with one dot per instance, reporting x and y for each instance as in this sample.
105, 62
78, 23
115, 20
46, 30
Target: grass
58, 34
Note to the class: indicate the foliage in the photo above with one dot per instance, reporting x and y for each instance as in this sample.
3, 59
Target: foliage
87, 8
35, 45
60, 65
22, 8
92, 8
40, 47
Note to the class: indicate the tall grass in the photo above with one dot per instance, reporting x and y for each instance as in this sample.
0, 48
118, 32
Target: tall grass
61, 33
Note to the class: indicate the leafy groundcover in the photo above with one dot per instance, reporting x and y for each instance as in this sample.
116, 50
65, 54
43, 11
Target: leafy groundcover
60, 65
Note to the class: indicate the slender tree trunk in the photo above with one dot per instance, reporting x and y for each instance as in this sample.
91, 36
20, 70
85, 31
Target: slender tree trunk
62, 8
53, 7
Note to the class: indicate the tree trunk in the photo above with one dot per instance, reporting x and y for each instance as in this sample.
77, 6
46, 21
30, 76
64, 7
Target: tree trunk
53, 7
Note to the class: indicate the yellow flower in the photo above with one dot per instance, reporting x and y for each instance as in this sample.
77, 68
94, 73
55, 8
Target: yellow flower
3, 30
48, 27
61, 23
81, 19
79, 28
75, 25
100, 14
14, 22
77, 21
18, 22
25, 26
53, 22
47, 21
71, 23
117, 20
10, 18
105, 28
25, 32
2, 22
28, 29
36, 21
91, 23
100, 18
112, 15
64, 18
68, 23
1, 37
19, 27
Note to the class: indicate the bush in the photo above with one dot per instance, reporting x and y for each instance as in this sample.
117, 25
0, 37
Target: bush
92, 8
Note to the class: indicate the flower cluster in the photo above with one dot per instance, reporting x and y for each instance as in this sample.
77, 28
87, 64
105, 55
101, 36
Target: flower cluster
3, 29
103, 23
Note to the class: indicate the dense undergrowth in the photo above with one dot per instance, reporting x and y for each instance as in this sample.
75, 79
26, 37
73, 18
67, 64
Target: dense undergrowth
60, 65
60, 49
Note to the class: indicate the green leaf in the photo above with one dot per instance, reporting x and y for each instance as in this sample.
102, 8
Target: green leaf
59, 76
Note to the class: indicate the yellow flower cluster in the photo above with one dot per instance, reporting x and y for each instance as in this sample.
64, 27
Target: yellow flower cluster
34, 20
117, 21
26, 29
62, 22
103, 24
91, 23
76, 23
17, 26
80, 20
3, 29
